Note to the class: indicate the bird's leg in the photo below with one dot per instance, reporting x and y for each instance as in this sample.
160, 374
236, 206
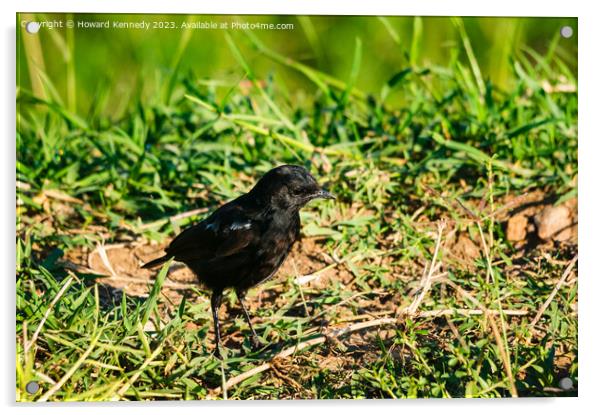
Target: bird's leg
216, 299
255, 343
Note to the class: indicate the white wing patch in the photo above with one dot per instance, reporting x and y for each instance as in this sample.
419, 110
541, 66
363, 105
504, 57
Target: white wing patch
240, 225
214, 226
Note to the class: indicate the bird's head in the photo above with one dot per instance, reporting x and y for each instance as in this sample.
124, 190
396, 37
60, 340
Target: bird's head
289, 187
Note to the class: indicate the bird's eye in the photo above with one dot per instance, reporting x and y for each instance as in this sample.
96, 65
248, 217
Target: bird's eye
297, 191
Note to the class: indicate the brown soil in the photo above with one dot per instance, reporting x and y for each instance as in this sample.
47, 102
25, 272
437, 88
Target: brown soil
122, 270
311, 261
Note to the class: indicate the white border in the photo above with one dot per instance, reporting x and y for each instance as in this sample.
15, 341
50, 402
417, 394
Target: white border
372, 7
590, 158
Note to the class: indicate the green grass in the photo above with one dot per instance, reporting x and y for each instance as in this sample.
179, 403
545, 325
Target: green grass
398, 171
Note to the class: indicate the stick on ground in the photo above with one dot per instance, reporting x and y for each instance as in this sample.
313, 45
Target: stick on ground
548, 301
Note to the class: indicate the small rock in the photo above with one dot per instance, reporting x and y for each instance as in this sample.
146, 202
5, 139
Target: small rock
554, 222
517, 228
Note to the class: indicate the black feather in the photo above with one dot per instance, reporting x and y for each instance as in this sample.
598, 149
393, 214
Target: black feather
245, 241
156, 262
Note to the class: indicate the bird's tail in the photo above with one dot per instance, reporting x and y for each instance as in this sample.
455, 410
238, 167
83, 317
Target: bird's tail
156, 262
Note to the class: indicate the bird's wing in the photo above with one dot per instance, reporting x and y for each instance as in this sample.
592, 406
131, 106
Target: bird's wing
226, 232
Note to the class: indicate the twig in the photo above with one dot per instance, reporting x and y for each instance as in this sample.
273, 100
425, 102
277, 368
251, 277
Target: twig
452, 326
302, 346
63, 197
47, 313
336, 333
446, 312
304, 279
346, 300
105, 259
498, 300
44, 377
456, 332
515, 202
188, 214
425, 284
23, 186
548, 301
470, 312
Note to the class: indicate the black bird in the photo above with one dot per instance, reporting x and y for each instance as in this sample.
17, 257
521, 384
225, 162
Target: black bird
244, 242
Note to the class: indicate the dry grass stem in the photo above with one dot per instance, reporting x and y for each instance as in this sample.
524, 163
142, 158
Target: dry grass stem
56, 298
427, 279
496, 334
72, 370
548, 301
334, 334
105, 259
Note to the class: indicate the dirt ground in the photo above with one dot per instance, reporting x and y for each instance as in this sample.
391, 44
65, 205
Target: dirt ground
531, 221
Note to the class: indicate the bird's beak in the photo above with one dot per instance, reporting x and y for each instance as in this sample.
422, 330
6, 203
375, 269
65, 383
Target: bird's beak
323, 194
